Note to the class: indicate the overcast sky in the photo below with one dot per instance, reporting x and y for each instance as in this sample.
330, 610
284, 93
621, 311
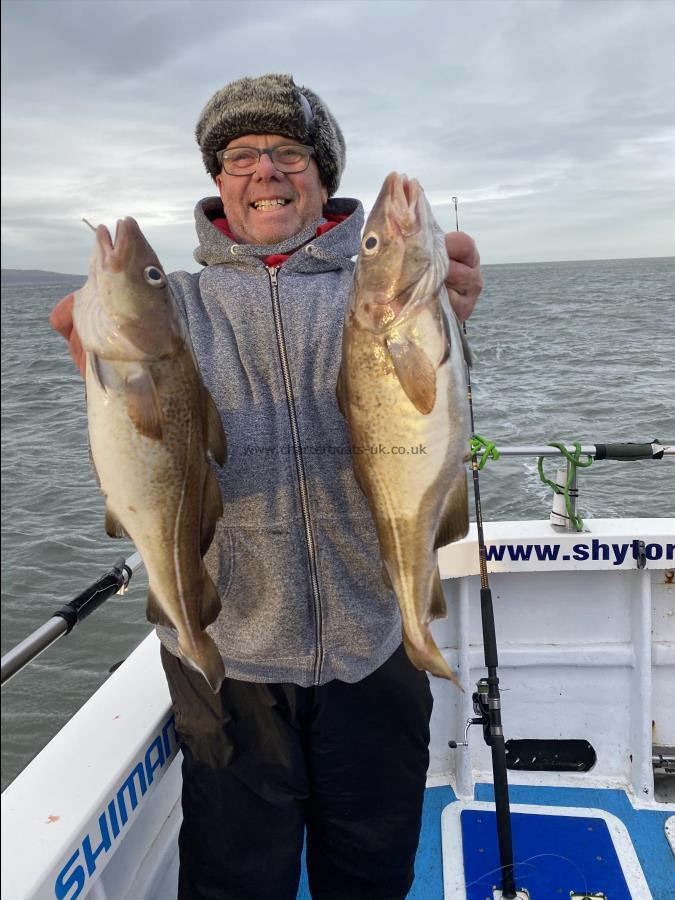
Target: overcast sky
553, 122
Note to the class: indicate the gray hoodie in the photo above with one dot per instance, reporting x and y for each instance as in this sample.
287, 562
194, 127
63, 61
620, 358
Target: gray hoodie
295, 555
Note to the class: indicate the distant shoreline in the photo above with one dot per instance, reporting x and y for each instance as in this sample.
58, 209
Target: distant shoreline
17, 277
14, 277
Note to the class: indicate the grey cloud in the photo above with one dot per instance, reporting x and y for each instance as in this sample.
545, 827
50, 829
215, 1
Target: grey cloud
551, 120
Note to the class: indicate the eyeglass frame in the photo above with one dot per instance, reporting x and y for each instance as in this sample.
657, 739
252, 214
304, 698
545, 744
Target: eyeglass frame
220, 154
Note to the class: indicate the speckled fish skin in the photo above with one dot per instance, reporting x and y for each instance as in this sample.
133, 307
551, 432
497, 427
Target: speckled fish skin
403, 385
151, 425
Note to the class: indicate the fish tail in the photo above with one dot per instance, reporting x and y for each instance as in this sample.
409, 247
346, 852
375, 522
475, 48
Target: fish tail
203, 656
426, 656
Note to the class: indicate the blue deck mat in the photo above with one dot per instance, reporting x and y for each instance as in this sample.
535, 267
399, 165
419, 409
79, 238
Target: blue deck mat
553, 855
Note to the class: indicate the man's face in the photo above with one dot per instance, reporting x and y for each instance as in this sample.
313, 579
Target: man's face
303, 192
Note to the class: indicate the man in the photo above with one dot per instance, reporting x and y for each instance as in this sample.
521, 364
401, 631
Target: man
322, 723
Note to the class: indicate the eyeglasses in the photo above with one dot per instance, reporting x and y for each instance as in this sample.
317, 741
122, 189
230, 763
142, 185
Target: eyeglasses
285, 158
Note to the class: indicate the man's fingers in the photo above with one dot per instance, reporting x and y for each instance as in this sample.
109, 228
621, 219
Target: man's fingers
61, 318
464, 280
462, 305
464, 285
462, 248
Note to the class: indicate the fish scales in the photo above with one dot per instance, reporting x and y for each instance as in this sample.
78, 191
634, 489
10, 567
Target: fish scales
152, 425
402, 389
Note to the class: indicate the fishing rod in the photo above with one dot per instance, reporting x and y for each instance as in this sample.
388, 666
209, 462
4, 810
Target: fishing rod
486, 699
628, 452
115, 581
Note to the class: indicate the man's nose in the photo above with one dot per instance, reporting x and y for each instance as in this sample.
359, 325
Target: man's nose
266, 168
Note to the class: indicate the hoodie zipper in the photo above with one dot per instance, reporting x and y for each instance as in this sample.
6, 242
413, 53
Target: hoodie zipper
300, 469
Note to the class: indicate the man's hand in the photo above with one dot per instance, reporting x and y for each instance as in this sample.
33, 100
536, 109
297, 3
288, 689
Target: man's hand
464, 282
61, 320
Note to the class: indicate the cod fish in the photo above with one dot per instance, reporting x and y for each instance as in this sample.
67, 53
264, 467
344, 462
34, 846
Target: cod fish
152, 424
402, 389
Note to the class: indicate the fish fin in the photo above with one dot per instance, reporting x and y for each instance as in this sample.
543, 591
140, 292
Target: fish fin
430, 659
415, 372
358, 476
95, 366
447, 312
468, 355
154, 612
216, 442
113, 527
210, 607
445, 324
93, 467
386, 577
437, 607
204, 657
143, 405
212, 510
340, 395
454, 523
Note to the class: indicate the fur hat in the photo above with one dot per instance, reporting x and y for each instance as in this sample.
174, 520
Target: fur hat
272, 104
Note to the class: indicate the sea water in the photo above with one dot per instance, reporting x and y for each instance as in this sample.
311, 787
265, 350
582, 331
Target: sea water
562, 351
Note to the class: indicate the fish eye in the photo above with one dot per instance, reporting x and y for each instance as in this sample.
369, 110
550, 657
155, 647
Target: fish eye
154, 276
371, 243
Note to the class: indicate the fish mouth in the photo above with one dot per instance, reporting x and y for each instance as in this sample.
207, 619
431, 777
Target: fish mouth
403, 206
115, 254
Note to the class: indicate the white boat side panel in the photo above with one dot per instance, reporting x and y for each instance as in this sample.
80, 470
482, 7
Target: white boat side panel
597, 646
68, 811
150, 848
461, 557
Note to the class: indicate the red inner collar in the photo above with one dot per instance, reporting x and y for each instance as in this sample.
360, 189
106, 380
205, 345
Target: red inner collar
278, 259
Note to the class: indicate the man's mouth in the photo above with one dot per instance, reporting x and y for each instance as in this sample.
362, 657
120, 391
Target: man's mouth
276, 203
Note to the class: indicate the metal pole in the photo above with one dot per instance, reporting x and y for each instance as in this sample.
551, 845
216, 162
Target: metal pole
64, 620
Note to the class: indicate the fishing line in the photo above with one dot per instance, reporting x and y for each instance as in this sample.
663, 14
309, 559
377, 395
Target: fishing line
490, 709
528, 862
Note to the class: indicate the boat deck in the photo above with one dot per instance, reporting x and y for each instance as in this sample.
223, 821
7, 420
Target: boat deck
646, 828
587, 654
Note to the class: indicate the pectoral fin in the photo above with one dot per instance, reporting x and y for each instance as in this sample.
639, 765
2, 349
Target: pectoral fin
113, 527
154, 612
143, 405
415, 372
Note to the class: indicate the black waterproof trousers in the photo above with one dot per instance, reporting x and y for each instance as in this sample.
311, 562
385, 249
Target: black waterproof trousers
264, 762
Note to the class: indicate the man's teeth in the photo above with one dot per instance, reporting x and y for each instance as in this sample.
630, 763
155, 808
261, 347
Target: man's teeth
269, 204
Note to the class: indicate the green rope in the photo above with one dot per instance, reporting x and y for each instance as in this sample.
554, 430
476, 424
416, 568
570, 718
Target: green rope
574, 463
488, 448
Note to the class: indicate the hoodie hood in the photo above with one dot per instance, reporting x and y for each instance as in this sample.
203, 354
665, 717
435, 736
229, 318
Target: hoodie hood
331, 250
